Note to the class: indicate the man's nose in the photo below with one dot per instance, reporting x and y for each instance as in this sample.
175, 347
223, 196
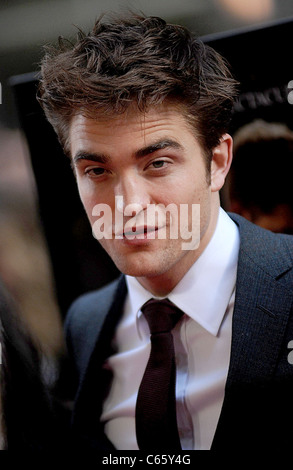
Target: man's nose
132, 193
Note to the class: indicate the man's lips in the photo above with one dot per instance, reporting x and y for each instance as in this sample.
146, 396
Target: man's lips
135, 231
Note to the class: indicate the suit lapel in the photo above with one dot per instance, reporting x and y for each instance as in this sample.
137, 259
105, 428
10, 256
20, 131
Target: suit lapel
262, 307
94, 387
259, 321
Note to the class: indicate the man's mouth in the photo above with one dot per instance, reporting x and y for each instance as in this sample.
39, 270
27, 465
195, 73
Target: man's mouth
139, 231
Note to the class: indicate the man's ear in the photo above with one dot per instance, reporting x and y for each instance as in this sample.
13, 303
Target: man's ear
221, 162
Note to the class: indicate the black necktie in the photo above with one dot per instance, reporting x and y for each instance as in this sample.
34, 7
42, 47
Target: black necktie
156, 424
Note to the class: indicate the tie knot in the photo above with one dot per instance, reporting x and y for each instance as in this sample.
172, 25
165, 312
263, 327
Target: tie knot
161, 315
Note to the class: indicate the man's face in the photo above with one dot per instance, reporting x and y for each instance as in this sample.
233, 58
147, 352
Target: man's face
136, 160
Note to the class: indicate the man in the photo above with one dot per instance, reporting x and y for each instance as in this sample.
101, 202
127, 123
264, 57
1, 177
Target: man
142, 109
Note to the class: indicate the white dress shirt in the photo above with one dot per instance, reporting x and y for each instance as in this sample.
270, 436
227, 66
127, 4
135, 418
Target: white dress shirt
202, 342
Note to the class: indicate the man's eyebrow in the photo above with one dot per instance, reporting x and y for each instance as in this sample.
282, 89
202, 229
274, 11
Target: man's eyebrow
102, 158
92, 156
160, 145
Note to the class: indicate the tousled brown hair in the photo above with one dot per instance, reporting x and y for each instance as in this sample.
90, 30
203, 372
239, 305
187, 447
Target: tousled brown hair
141, 60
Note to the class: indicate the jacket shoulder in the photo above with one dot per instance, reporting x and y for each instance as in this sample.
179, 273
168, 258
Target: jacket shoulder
272, 252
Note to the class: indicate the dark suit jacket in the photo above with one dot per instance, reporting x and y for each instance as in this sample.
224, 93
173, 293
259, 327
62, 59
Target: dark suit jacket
257, 412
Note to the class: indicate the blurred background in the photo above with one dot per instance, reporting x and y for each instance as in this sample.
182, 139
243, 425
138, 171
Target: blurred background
47, 254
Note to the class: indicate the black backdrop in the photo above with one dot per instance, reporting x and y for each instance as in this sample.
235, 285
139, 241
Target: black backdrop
261, 59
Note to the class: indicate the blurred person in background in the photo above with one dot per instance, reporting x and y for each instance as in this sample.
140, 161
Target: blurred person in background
26, 272
28, 415
24, 261
259, 184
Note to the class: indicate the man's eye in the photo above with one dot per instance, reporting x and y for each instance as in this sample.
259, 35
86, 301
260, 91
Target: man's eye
95, 171
158, 164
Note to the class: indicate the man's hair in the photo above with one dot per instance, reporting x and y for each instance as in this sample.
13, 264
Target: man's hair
137, 60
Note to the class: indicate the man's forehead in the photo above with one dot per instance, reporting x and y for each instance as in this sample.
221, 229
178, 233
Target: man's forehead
163, 118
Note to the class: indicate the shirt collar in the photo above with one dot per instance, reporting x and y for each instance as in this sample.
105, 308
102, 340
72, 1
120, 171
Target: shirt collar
205, 291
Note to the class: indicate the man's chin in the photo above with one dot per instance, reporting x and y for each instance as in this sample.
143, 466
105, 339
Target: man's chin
137, 262
139, 271
140, 267
146, 262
